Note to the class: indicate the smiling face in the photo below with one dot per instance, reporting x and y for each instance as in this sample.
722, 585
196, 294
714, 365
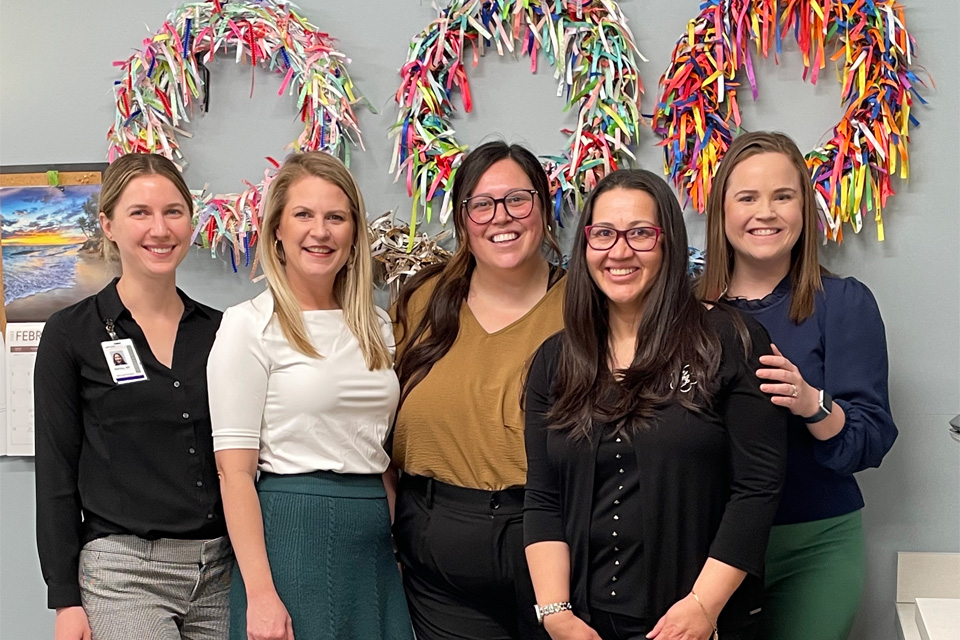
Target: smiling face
623, 275
316, 231
151, 227
763, 211
505, 243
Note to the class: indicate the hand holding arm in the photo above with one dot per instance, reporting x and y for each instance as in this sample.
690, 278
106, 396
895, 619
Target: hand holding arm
788, 389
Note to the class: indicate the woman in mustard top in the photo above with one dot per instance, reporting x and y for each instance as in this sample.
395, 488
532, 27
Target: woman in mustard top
465, 332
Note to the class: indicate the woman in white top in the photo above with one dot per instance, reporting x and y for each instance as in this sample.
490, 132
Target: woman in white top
303, 391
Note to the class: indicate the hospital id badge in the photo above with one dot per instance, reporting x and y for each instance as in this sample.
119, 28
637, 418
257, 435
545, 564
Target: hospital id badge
123, 361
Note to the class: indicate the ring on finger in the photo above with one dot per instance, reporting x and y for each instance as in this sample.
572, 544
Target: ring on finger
795, 391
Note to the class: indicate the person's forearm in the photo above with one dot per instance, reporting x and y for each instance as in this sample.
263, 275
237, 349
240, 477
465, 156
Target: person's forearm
241, 507
549, 564
715, 584
829, 426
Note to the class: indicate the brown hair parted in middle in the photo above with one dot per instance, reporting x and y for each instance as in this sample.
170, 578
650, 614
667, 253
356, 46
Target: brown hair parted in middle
805, 267
433, 336
673, 333
121, 173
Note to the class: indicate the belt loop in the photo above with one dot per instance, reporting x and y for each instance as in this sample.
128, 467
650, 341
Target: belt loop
430, 487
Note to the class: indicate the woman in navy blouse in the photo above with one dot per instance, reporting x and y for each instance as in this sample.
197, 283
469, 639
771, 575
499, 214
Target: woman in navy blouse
829, 368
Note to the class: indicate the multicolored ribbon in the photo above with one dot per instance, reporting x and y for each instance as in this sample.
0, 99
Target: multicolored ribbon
592, 50
697, 113
164, 81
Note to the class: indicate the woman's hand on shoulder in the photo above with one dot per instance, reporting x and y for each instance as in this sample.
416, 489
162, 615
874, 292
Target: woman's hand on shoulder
566, 626
267, 619
71, 624
685, 620
786, 386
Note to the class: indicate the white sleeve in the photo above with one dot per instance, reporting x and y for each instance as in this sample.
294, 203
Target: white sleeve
237, 373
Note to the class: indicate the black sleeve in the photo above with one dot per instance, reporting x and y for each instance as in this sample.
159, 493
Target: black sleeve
542, 519
58, 432
757, 438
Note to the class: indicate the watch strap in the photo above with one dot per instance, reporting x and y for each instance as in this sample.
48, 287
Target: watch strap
826, 405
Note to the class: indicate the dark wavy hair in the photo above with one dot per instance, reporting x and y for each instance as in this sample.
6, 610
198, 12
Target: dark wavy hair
673, 336
432, 337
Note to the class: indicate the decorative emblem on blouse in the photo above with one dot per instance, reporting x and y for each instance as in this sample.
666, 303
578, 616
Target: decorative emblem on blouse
687, 383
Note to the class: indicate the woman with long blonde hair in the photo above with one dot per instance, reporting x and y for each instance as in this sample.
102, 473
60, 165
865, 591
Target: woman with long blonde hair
302, 390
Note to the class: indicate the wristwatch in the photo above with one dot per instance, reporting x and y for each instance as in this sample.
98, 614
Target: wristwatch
826, 405
556, 607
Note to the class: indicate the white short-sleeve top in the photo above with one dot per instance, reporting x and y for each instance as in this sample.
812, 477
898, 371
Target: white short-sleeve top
303, 414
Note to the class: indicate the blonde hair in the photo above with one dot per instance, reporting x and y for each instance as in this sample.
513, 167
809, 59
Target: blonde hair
119, 175
353, 285
805, 267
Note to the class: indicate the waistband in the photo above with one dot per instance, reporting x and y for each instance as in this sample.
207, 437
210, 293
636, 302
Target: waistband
324, 483
475, 500
164, 549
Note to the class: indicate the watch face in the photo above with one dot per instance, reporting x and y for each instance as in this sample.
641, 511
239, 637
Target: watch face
826, 402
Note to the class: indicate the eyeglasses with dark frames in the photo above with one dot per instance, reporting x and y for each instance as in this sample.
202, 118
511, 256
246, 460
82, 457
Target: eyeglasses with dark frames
603, 238
517, 203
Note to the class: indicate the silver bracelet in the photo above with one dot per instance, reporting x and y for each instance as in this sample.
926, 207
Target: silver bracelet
555, 607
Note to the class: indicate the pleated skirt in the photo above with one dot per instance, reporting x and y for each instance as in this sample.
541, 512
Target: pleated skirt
328, 543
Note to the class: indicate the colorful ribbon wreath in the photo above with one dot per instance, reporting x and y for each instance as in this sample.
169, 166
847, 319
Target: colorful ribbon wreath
164, 81
590, 46
697, 113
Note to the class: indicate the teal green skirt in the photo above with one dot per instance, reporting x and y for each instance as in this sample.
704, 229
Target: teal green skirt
328, 544
814, 579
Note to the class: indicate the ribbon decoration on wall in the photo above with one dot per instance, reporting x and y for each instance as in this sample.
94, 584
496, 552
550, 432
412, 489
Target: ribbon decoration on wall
592, 50
163, 83
697, 113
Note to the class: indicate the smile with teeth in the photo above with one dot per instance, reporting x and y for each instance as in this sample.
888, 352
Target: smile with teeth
621, 271
505, 237
159, 250
763, 232
319, 250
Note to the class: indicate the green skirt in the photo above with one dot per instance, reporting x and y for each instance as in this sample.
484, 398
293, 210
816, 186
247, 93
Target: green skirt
814, 579
328, 544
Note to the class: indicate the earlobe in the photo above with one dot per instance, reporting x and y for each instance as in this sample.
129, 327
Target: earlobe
105, 224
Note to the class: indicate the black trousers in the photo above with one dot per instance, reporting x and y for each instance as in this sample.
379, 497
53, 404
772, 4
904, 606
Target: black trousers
464, 570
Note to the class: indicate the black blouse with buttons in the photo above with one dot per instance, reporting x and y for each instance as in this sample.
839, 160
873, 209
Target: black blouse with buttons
706, 485
616, 541
131, 458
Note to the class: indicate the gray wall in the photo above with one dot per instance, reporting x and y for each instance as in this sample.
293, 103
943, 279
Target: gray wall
56, 106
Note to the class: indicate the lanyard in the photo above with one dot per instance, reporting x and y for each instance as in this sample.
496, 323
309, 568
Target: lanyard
108, 325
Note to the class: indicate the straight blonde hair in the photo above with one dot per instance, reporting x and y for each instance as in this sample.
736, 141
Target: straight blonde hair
353, 285
805, 267
121, 173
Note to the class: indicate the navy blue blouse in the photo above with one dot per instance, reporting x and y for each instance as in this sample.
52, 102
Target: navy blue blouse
841, 348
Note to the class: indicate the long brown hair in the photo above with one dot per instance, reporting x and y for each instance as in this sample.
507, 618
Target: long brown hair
437, 330
673, 337
805, 268
353, 285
